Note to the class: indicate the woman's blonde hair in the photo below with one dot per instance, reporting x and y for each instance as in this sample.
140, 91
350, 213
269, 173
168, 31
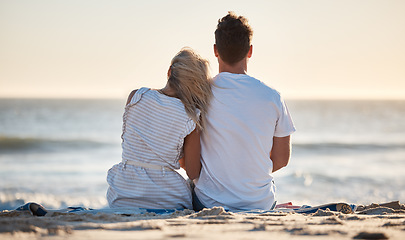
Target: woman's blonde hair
190, 79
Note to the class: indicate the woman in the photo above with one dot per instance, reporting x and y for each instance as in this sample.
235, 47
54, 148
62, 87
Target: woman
161, 131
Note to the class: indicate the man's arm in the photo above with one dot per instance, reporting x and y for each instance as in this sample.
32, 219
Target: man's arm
182, 163
192, 150
281, 152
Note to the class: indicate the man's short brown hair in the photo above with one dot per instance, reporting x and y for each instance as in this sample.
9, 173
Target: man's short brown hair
233, 38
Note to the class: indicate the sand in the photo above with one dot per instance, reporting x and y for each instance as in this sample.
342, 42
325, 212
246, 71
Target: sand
376, 221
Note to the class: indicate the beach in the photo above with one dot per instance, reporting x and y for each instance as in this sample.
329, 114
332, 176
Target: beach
57, 153
336, 67
384, 221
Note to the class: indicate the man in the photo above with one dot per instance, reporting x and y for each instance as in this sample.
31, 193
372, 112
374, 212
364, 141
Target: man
247, 134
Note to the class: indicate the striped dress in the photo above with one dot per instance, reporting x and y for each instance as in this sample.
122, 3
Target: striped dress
154, 128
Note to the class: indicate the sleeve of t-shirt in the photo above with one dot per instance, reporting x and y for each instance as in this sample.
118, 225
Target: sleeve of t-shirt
284, 125
190, 125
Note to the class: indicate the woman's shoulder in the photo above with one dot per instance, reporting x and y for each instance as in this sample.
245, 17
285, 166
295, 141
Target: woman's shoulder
133, 92
131, 95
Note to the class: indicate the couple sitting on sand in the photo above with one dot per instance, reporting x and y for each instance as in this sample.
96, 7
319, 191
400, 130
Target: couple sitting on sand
229, 133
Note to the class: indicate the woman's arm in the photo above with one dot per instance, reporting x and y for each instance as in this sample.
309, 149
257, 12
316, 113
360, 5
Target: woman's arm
280, 153
192, 150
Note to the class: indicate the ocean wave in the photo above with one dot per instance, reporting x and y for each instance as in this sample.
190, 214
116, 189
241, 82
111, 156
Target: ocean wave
348, 145
317, 187
11, 201
32, 144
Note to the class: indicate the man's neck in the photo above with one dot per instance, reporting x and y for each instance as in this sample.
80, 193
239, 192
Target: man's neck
238, 68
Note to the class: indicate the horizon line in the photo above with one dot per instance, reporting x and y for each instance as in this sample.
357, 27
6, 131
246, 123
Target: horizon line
285, 98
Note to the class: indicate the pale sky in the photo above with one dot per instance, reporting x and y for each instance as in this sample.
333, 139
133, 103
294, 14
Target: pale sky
104, 49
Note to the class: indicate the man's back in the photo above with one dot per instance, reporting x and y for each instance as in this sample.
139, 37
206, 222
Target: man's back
243, 118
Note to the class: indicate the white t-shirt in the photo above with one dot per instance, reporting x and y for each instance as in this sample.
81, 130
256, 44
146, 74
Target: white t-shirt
243, 118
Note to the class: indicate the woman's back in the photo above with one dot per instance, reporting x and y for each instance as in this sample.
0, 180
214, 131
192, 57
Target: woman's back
154, 129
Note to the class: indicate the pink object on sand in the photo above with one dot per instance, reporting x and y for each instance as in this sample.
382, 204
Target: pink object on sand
287, 205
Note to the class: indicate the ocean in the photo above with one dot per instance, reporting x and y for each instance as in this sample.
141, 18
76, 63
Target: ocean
57, 152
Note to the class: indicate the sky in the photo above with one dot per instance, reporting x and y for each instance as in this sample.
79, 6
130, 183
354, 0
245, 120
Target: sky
312, 49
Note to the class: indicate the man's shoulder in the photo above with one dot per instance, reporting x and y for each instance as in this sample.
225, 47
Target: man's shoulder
246, 85
249, 80
261, 88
